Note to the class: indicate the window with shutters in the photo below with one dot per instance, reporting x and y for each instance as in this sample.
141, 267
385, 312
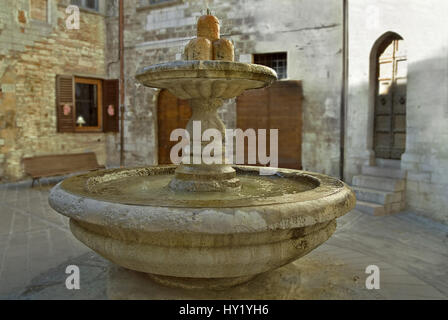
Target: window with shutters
86, 104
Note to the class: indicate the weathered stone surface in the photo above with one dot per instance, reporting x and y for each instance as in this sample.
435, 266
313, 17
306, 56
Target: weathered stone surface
379, 183
370, 208
231, 240
386, 172
205, 84
377, 196
206, 79
32, 53
426, 155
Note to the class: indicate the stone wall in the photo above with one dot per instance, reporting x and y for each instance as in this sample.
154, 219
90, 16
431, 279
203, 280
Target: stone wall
309, 31
35, 46
424, 28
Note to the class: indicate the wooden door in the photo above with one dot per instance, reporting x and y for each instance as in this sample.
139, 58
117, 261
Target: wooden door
276, 107
390, 102
172, 113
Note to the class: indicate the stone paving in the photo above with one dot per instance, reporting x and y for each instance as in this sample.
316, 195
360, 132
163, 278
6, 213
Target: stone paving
33, 237
36, 246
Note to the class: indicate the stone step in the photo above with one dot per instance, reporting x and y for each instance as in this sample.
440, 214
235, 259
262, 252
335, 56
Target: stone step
370, 208
377, 196
383, 172
388, 163
395, 207
378, 183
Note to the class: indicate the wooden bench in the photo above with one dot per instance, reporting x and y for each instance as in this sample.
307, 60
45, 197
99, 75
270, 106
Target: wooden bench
55, 165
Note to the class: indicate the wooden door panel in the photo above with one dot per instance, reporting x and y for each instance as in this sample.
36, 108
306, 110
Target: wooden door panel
172, 113
384, 104
382, 140
400, 123
275, 107
383, 153
400, 109
383, 123
399, 140
384, 98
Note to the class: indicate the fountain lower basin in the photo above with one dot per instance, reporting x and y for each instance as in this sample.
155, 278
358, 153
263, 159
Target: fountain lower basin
201, 239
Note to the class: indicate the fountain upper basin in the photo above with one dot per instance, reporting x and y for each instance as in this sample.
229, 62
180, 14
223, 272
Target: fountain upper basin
195, 79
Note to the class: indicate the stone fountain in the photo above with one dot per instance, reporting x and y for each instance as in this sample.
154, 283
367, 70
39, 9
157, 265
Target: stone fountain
203, 225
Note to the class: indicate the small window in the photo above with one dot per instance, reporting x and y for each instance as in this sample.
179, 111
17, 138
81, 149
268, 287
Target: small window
276, 61
86, 104
39, 10
86, 4
145, 3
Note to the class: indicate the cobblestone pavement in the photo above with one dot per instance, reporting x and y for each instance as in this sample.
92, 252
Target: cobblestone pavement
36, 246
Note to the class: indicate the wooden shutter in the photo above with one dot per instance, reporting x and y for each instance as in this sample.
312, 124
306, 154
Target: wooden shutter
276, 107
65, 101
285, 114
110, 98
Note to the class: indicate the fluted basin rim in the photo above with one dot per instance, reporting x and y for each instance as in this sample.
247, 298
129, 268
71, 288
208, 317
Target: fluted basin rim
154, 75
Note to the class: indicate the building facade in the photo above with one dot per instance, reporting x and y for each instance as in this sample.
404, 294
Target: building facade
391, 109
35, 47
419, 96
308, 32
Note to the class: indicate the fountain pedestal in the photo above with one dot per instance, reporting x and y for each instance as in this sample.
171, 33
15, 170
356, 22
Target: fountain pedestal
209, 171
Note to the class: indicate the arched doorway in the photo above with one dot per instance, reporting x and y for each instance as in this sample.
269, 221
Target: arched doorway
389, 139
172, 113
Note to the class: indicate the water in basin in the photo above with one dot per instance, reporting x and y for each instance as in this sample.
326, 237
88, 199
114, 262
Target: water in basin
129, 187
156, 187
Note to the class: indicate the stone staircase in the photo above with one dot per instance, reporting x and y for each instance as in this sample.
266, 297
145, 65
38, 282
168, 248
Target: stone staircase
380, 190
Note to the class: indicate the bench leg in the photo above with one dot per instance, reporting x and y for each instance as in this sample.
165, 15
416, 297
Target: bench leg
32, 183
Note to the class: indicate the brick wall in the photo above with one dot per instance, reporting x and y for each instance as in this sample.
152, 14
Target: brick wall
34, 47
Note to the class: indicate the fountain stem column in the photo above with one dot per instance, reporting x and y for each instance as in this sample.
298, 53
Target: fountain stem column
206, 169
